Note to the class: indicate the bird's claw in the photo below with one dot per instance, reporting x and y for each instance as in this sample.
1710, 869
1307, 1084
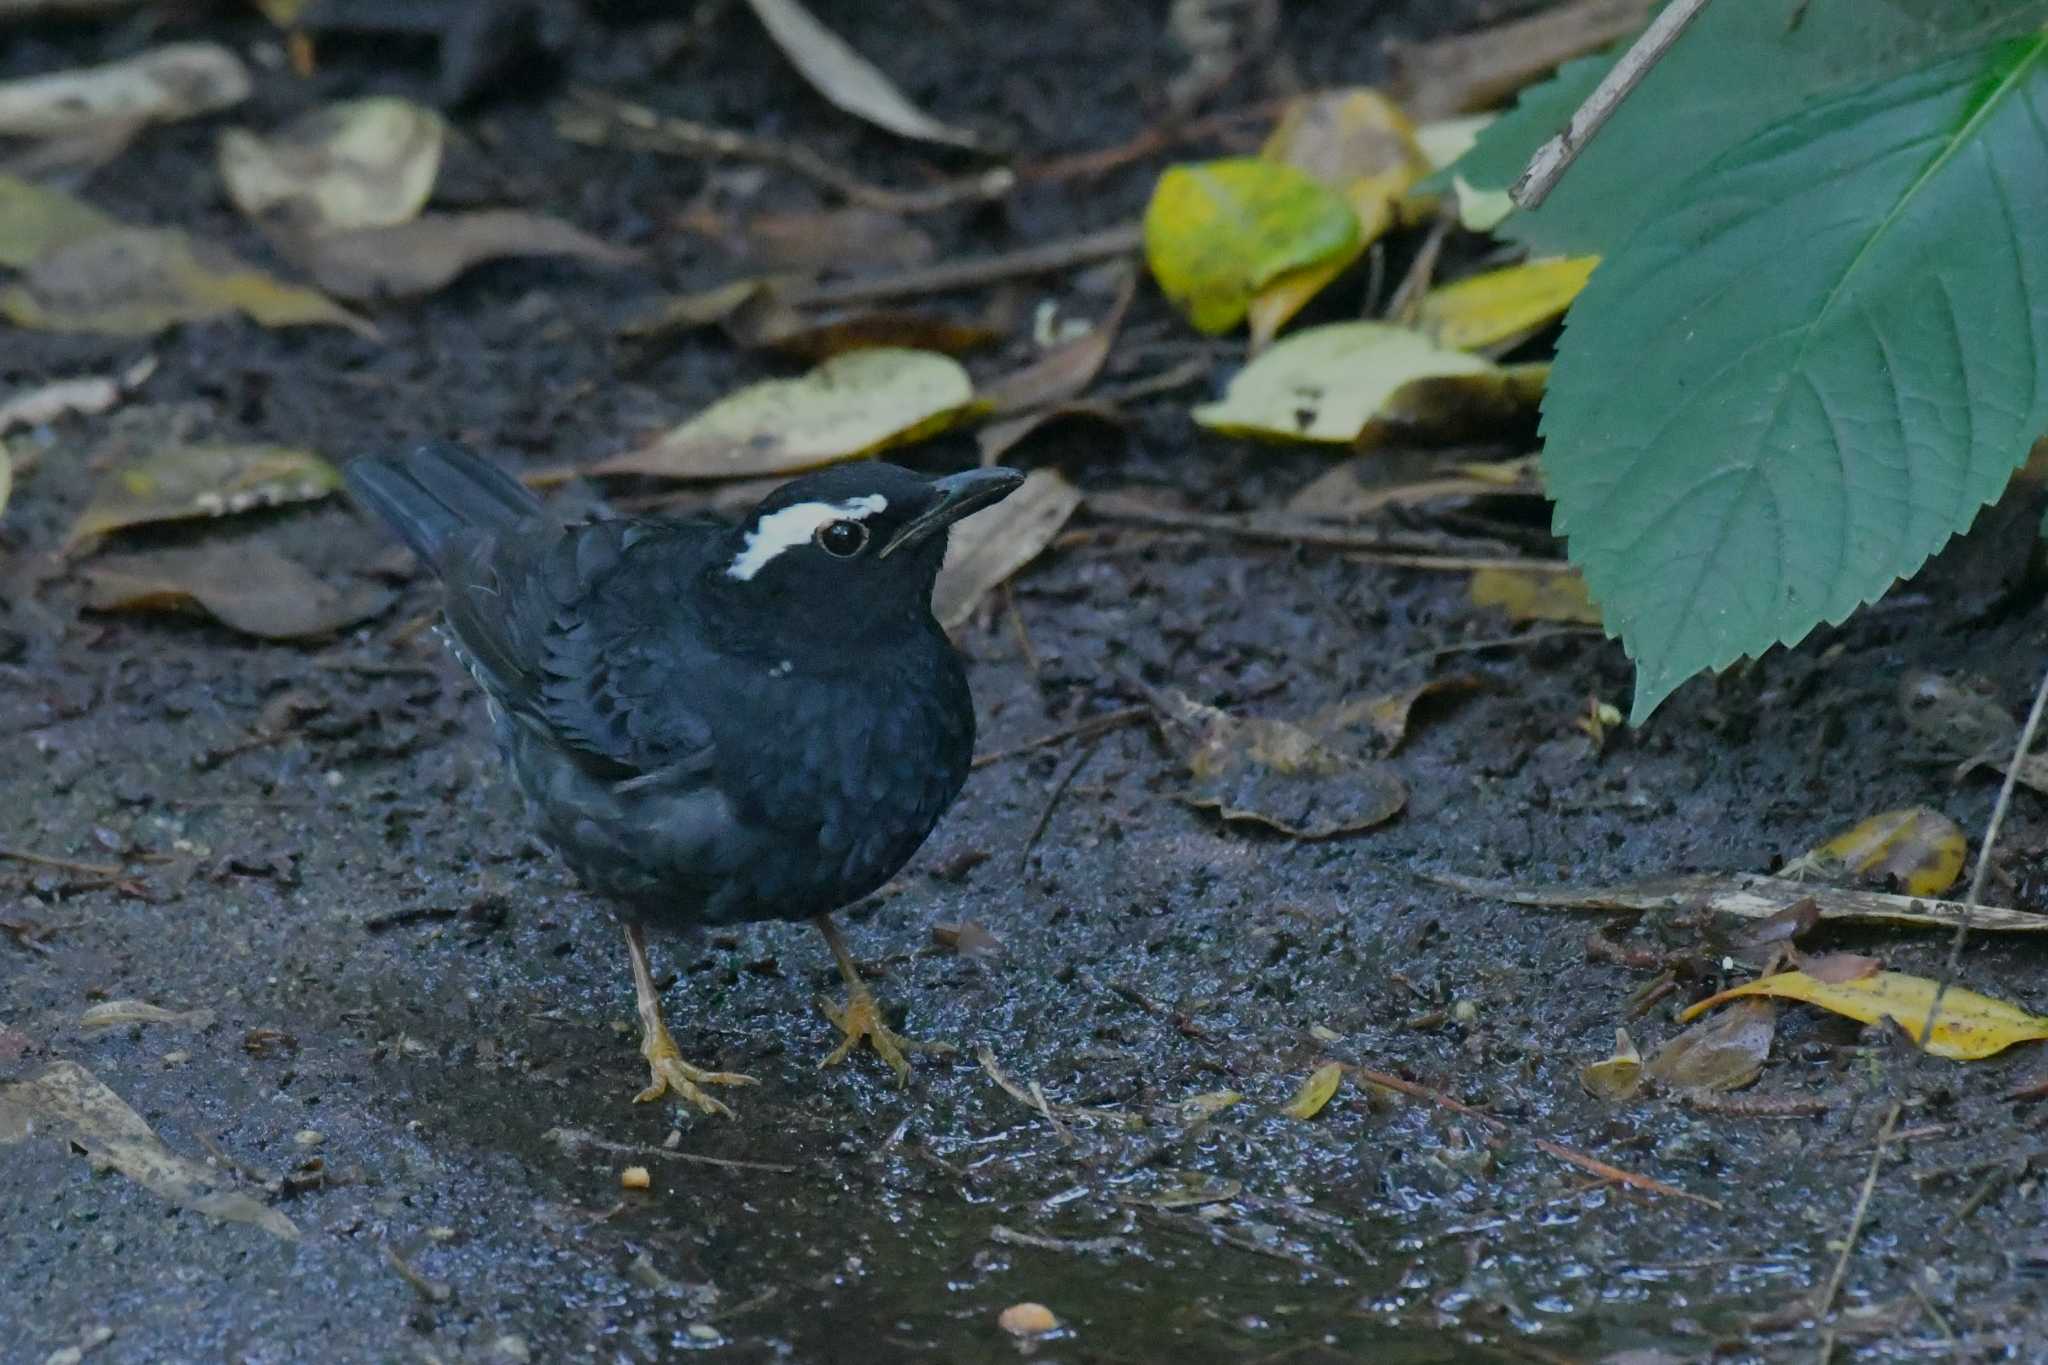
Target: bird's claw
860, 1020
668, 1071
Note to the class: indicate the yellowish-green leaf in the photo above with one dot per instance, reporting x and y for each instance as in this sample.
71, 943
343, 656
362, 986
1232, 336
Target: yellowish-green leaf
1618, 1077
33, 220
358, 164
852, 405
1207, 1105
203, 481
126, 281
1218, 232
1445, 140
1503, 306
1325, 384
1969, 1026
1921, 849
1315, 1092
1480, 210
1535, 595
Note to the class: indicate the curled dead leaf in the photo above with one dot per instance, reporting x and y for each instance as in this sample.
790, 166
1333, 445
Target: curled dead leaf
1304, 780
849, 80
177, 81
1725, 1052
1970, 1026
422, 255
1919, 849
1618, 1077
115, 1013
363, 163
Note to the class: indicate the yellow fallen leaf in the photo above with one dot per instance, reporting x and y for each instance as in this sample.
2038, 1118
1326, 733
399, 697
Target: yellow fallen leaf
1969, 1026
357, 164
1506, 305
1535, 595
1218, 232
1315, 1092
1325, 384
1359, 143
1921, 849
203, 481
854, 404
1619, 1076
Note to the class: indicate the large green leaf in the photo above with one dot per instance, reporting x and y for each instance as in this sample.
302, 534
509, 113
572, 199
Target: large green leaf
1813, 365
1743, 66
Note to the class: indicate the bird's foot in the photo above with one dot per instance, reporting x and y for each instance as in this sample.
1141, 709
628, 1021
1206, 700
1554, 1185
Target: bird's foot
668, 1071
860, 1020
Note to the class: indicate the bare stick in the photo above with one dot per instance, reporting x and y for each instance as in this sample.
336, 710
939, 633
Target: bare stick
1834, 1287
1554, 157
1045, 259
1983, 871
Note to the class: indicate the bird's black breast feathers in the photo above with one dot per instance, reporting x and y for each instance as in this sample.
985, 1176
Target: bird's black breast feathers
694, 762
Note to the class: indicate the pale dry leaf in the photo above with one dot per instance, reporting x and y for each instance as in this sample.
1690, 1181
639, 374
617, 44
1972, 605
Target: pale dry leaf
1285, 776
421, 256
178, 81
364, 163
69, 1103
114, 1013
206, 480
847, 79
985, 549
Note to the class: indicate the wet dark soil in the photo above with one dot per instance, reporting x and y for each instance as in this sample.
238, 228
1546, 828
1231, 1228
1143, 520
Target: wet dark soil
422, 1029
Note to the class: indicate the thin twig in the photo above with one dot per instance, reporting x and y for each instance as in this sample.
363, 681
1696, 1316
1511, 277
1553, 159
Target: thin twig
1094, 725
1983, 871
1292, 531
1527, 637
1826, 1304
571, 1140
1080, 165
601, 120
1554, 157
1046, 259
21, 855
1059, 789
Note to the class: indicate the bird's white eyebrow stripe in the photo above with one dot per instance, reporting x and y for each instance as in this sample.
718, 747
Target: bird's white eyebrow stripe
788, 527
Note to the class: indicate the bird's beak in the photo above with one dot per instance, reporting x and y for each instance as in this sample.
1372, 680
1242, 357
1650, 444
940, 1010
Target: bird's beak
956, 496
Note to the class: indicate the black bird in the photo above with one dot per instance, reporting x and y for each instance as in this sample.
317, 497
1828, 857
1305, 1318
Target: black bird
711, 723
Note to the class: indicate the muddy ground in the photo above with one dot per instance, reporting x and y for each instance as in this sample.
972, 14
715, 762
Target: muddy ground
391, 967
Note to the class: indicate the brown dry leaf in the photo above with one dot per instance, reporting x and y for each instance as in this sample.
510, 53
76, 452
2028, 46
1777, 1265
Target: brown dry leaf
1299, 780
69, 1103
203, 481
969, 938
1355, 489
114, 1013
1964, 716
847, 79
178, 81
364, 163
1970, 1026
1835, 968
247, 586
1315, 1092
985, 550
1535, 595
1751, 897
1723, 1053
1064, 371
1360, 144
1389, 715
851, 405
683, 312
845, 239
765, 320
1481, 69
125, 281
1794, 921
1618, 1077
1919, 849
421, 256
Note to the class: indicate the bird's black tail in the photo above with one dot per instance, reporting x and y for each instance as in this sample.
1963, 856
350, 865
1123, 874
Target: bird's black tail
438, 492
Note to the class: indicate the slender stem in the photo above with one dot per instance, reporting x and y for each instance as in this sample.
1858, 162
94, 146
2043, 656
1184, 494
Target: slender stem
847, 969
1983, 870
1554, 157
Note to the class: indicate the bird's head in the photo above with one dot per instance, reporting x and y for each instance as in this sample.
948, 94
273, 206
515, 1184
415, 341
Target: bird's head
855, 547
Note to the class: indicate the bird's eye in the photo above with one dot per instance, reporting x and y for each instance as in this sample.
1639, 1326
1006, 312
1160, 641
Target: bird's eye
842, 539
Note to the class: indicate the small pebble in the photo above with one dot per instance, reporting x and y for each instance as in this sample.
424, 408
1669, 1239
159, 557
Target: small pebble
309, 1137
1027, 1320
635, 1178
